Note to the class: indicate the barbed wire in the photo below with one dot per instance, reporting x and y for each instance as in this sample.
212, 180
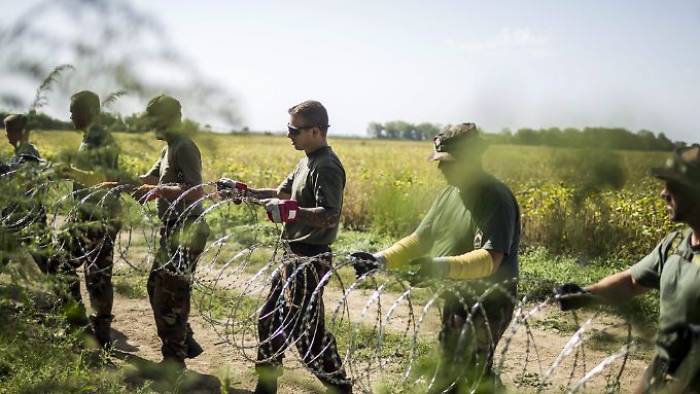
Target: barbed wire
387, 330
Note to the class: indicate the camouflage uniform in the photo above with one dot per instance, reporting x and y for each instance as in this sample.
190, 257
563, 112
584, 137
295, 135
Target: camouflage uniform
88, 238
297, 312
183, 237
26, 218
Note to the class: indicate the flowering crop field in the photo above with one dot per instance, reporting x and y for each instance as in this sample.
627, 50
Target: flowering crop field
590, 203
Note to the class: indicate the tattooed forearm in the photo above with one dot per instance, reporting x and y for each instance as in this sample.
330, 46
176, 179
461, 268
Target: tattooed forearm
263, 194
319, 217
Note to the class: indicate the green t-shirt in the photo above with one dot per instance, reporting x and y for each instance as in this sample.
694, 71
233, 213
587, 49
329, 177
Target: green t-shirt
317, 181
180, 163
486, 216
98, 152
673, 267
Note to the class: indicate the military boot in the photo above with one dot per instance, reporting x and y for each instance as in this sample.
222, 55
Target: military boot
339, 389
266, 386
194, 349
101, 330
267, 378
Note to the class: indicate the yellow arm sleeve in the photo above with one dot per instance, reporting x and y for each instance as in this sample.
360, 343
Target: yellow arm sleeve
471, 265
87, 178
403, 251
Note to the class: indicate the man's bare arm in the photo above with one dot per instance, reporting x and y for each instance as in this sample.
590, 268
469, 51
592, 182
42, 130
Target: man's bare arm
171, 192
149, 179
264, 194
617, 288
319, 217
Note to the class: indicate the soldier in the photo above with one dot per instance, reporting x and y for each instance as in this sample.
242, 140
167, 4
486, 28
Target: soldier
308, 202
88, 238
18, 137
472, 231
673, 268
26, 217
175, 180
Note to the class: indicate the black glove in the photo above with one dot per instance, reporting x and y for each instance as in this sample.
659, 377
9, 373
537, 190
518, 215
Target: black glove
427, 268
572, 296
364, 263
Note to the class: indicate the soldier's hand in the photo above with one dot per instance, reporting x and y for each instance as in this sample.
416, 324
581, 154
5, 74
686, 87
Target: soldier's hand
145, 193
232, 189
424, 269
572, 296
366, 263
282, 211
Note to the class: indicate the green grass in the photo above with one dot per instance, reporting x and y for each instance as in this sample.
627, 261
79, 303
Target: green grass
130, 285
38, 354
540, 272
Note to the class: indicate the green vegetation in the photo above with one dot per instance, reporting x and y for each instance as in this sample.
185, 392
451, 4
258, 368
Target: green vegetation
586, 214
40, 354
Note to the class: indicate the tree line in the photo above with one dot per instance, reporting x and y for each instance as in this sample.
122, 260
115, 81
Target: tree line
134, 123
589, 137
399, 129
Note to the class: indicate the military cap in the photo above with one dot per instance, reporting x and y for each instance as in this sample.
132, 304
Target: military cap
454, 141
15, 122
682, 167
85, 99
164, 106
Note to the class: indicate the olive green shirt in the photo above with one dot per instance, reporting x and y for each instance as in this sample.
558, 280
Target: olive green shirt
317, 181
673, 267
98, 152
180, 164
486, 216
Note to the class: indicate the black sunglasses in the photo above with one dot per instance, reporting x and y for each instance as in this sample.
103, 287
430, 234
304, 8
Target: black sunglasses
293, 130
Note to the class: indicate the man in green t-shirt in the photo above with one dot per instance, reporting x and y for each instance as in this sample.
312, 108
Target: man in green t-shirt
673, 268
92, 227
175, 180
308, 202
469, 238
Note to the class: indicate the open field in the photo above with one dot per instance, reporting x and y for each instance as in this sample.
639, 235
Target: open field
573, 201
585, 214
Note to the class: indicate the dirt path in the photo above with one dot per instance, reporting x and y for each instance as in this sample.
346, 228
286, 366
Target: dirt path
528, 356
526, 360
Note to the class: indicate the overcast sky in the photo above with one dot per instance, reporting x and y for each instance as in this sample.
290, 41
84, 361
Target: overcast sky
634, 64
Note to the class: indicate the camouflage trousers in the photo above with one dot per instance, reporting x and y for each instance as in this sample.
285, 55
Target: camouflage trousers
89, 244
170, 283
31, 232
295, 314
468, 342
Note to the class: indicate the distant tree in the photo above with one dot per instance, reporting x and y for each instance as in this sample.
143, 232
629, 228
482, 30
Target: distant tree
375, 130
663, 142
426, 131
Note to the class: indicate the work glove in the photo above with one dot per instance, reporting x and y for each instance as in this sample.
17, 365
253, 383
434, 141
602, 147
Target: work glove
364, 263
229, 188
427, 268
282, 211
572, 296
